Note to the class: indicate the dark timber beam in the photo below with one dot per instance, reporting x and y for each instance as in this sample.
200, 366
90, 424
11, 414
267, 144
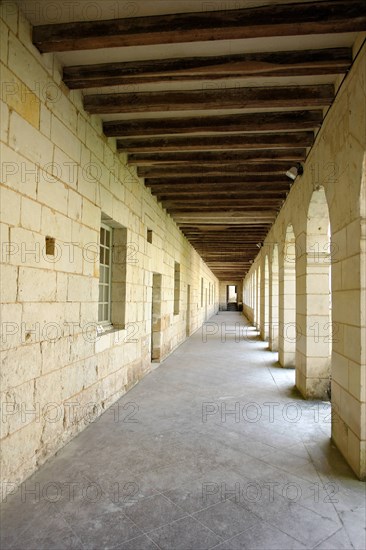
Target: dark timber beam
238, 179
273, 20
211, 143
268, 64
198, 170
221, 204
275, 97
212, 192
216, 188
255, 217
178, 212
217, 157
195, 195
248, 122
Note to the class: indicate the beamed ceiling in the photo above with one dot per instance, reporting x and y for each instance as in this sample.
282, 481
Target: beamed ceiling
212, 101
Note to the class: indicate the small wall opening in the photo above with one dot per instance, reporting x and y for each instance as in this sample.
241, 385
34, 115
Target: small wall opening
50, 244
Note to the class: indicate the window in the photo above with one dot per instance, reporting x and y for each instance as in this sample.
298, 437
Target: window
113, 255
105, 275
176, 287
50, 246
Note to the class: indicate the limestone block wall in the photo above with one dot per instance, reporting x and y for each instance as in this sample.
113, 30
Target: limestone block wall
59, 176
336, 164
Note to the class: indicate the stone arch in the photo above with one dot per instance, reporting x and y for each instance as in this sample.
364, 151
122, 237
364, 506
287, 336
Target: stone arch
313, 348
287, 301
265, 294
258, 298
273, 305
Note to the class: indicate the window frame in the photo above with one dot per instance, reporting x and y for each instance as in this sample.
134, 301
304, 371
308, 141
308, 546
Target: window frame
105, 324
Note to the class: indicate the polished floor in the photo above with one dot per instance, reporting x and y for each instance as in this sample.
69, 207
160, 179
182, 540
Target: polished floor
213, 449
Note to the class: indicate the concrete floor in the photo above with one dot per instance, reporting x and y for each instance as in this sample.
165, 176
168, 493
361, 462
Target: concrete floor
213, 449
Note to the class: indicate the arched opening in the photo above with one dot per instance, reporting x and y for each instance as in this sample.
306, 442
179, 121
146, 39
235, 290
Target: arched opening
265, 329
255, 298
314, 343
258, 304
273, 310
287, 301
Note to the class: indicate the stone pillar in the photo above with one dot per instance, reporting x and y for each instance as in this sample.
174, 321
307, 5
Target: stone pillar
349, 346
273, 301
287, 303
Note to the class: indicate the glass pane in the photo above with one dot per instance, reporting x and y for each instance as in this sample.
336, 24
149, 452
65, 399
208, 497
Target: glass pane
107, 235
101, 258
102, 235
105, 312
106, 294
106, 274
100, 293
100, 313
106, 256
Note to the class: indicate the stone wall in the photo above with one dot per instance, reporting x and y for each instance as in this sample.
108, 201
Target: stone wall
60, 174
336, 166
223, 292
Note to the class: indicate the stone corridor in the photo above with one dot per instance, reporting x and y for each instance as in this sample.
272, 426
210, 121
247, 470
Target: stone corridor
213, 449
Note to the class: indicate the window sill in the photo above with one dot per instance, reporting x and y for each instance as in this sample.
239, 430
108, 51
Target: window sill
111, 336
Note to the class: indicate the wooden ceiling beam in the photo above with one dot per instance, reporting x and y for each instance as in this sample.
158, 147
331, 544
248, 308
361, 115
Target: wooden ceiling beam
215, 194
276, 97
212, 143
206, 231
249, 246
268, 64
217, 157
248, 122
249, 235
226, 266
240, 240
236, 179
232, 204
194, 190
198, 170
221, 250
246, 248
273, 20
255, 216
220, 217
178, 210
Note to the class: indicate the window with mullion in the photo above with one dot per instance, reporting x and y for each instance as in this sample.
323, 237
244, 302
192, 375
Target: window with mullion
105, 275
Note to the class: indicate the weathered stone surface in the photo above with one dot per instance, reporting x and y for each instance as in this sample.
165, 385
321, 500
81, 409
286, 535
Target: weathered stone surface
62, 174
336, 164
